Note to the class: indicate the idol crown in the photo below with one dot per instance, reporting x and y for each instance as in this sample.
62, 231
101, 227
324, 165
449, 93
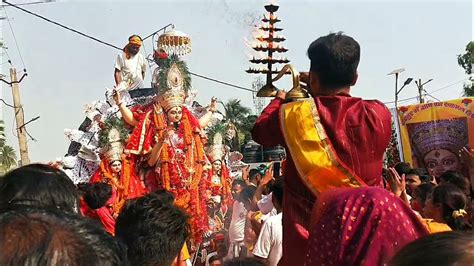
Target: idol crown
172, 98
442, 134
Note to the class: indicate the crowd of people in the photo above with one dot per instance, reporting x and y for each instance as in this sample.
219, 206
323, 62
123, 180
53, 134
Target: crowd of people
331, 202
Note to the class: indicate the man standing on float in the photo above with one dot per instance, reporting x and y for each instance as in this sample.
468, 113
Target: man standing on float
130, 65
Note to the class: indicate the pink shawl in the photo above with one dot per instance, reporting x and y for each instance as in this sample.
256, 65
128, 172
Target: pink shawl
364, 226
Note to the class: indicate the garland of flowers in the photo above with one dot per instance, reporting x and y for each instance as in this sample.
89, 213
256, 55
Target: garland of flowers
105, 171
125, 176
195, 157
160, 125
121, 185
226, 189
199, 148
172, 173
188, 141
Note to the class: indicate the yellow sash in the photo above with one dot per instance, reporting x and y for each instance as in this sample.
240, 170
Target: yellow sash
311, 150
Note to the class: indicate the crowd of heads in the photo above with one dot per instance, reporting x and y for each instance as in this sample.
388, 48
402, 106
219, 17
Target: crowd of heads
446, 199
32, 235
40, 223
153, 229
39, 185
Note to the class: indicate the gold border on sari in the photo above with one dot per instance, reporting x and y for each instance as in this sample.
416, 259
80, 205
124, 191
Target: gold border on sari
314, 156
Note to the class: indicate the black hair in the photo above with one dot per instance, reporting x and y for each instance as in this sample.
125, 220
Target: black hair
247, 194
455, 178
451, 199
243, 262
153, 232
402, 168
421, 173
253, 173
239, 182
448, 175
164, 197
39, 185
442, 249
277, 189
215, 258
36, 236
97, 194
423, 190
334, 58
110, 163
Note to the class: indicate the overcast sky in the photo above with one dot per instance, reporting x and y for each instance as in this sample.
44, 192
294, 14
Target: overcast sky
66, 71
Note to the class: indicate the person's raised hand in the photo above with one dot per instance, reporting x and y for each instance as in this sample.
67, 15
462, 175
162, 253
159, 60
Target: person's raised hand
245, 174
116, 96
304, 80
268, 177
467, 156
396, 182
213, 105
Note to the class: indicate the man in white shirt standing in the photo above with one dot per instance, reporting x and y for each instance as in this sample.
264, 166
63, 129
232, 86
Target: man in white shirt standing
269, 244
237, 223
130, 66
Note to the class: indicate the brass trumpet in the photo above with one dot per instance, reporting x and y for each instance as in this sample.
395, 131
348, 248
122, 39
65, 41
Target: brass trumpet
296, 92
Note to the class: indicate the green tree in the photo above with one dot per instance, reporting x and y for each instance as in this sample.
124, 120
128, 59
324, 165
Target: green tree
236, 115
247, 126
7, 157
465, 61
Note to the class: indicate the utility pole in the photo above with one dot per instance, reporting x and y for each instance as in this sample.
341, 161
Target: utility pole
396, 72
19, 116
420, 89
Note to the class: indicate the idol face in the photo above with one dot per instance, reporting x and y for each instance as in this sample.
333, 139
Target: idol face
116, 166
175, 114
217, 166
441, 160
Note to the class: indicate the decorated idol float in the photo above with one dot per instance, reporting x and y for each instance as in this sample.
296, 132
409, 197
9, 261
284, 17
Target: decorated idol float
139, 140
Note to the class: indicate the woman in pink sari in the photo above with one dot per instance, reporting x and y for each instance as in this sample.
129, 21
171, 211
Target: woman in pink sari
364, 226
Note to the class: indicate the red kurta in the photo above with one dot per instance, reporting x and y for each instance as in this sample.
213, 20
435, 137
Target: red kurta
359, 131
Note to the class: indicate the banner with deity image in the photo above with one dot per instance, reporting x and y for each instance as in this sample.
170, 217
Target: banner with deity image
432, 134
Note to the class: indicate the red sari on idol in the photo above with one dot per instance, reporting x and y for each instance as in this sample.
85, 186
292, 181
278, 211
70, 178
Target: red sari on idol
348, 134
181, 161
127, 186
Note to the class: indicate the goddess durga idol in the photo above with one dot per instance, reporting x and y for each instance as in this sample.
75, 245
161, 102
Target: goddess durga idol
167, 143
